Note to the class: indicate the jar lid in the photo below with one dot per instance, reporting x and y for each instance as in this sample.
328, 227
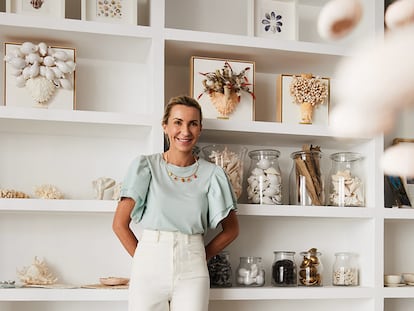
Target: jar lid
304, 154
346, 254
346, 156
284, 252
264, 153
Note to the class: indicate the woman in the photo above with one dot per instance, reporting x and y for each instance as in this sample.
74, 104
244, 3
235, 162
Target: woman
176, 197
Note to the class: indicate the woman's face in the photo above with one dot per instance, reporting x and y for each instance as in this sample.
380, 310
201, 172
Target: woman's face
183, 128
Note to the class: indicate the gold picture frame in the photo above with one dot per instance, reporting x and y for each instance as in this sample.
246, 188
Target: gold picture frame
223, 103
55, 8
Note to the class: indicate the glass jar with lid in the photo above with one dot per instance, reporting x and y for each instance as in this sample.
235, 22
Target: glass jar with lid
306, 181
284, 269
250, 272
264, 180
346, 182
219, 269
345, 269
311, 268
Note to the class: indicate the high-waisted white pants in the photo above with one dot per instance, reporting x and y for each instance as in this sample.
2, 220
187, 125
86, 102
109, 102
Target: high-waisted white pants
169, 273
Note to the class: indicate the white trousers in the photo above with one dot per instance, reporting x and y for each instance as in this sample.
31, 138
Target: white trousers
169, 273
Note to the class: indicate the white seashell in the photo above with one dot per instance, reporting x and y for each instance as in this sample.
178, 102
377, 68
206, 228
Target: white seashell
260, 280
33, 58
49, 73
66, 84
34, 70
61, 55
15, 72
58, 73
40, 89
267, 200
399, 13
49, 61
270, 191
257, 171
63, 67
71, 64
20, 81
263, 164
50, 51
42, 71
42, 48
17, 63
26, 73
17, 53
272, 171
338, 18
28, 47
243, 272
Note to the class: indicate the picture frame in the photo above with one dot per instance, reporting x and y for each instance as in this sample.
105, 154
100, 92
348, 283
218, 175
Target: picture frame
116, 12
216, 104
275, 19
55, 8
395, 195
287, 111
408, 182
14, 96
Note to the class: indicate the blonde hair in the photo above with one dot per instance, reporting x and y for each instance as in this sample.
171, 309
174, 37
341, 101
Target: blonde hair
181, 100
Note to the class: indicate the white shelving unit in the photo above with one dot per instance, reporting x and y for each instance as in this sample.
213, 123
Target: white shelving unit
124, 75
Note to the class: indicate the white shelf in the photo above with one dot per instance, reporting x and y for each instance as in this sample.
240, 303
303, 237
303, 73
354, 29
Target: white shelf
399, 213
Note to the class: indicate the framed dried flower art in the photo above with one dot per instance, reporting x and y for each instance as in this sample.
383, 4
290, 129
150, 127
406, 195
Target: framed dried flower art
39, 75
110, 11
55, 8
275, 19
223, 87
302, 99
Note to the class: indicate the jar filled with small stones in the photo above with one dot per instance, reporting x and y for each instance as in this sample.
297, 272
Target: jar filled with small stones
219, 269
264, 181
284, 269
250, 272
346, 182
345, 270
311, 268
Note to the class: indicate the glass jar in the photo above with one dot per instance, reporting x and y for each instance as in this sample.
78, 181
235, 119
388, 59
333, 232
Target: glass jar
306, 182
311, 268
231, 159
346, 182
250, 272
345, 270
284, 269
264, 181
219, 269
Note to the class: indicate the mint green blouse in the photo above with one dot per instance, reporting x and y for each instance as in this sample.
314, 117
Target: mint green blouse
162, 203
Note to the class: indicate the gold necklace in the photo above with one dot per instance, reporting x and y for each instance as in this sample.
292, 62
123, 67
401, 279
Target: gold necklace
182, 178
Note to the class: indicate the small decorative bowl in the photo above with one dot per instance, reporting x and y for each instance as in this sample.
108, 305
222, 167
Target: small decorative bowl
408, 277
113, 281
392, 278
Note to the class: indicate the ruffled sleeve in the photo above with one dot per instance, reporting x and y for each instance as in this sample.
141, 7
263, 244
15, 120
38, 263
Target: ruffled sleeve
221, 198
136, 184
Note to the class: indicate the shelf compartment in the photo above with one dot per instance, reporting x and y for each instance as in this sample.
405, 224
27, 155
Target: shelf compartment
399, 213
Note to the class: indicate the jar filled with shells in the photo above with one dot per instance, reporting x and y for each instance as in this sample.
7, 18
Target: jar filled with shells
231, 159
306, 182
346, 182
250, 272
219, 269
284, 269
264, 181
310, 270
345, 270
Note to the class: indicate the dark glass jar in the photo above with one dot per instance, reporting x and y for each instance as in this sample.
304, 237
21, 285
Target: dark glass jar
284, 269
219, 269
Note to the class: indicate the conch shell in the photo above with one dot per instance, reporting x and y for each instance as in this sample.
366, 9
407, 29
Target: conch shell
225, 103
36, 274
41, 89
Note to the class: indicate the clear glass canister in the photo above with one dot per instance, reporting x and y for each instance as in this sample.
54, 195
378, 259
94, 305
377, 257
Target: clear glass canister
345, 269
284, 272
264, 180
346, 182
306, 182
311, 268
250, 272
219, 269
231, 159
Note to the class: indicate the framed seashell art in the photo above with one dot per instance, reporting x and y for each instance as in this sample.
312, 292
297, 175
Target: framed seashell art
273, 19
223, 87
110, 11
39, 75
55, 8
302, 99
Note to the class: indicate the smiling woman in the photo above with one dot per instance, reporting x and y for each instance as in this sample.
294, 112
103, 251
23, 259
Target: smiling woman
176, 197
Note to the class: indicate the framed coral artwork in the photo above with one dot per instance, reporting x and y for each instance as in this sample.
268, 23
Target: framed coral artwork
302, 99
275, 19
39, 76
223, 87
110, 11
55, 8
